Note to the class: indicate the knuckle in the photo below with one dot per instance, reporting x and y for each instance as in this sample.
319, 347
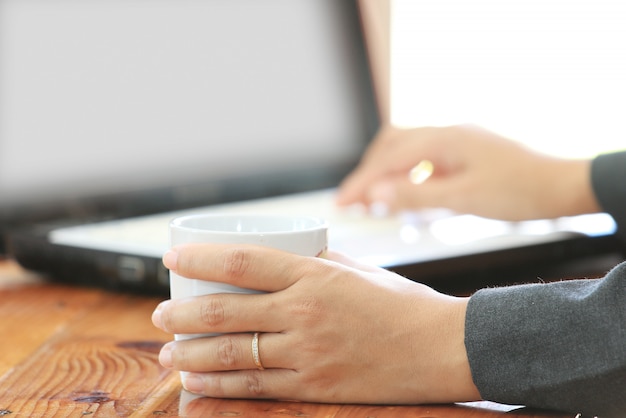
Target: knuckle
254, 383
228, 352
180, 356
321, 385
212, 311
309, 309
319, 382
237, 262
215, 386
167, 320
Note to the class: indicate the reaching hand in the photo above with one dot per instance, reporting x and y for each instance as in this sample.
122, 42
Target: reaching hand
475, 171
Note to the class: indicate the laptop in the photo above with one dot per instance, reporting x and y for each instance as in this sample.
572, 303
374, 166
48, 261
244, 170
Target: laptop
117, 116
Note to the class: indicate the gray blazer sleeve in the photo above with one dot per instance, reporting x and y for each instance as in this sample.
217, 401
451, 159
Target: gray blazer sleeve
558, 345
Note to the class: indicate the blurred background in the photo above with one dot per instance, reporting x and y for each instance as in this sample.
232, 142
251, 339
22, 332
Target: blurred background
116, 89
551, 73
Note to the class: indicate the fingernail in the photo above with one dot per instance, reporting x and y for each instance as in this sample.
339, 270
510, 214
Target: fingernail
193, 383
156, 315
165, 356
170, 259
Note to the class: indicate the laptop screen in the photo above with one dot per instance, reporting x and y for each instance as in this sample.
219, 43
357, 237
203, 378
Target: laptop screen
120, 96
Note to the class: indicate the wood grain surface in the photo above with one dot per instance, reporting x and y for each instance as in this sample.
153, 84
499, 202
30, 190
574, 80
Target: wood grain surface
77, 352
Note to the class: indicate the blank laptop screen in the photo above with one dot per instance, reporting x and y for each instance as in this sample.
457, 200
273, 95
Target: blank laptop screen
113, 95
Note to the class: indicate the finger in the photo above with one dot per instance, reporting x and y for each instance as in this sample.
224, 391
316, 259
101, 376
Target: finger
218, 313
375, 164
246, 384
353, 189
235, 312
245, 266
226, 352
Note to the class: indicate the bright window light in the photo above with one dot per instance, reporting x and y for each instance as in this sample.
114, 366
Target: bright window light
550, 73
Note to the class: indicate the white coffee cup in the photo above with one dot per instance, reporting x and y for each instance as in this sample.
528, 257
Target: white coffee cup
302, 235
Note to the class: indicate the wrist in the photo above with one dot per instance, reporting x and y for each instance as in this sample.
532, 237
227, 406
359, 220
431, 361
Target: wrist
571, 192
462, 385
453, 376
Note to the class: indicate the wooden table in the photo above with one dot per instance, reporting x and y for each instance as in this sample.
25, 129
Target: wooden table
76, 352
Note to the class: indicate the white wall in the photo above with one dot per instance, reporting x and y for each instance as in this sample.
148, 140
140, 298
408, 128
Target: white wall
549, 72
